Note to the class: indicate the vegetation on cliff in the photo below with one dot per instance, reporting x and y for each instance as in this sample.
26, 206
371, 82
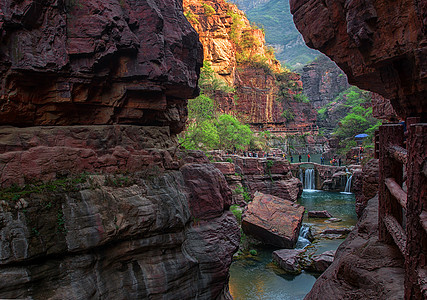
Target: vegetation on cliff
280, 30
353, 107
208, 129
260, 90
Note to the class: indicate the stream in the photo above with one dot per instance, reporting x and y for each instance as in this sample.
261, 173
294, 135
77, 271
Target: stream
258, 278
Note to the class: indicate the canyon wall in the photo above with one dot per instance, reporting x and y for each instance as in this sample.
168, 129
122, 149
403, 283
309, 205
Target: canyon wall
96, 201
91, 62
380, 46
264, 92
322, 81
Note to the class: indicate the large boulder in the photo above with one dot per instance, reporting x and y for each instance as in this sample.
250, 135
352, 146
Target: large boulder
273, 221
323, 261
209, 194
319, 214
288, 260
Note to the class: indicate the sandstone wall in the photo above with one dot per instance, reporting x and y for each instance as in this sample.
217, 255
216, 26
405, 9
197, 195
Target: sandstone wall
96, 62
95, 199
225, 35
379, 45
154, 237
323, 81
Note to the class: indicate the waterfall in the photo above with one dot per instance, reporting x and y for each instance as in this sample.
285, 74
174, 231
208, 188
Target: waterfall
309, 180
348, 185
303, 238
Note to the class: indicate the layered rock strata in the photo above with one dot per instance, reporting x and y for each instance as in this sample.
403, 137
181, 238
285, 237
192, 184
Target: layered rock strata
156, 236
110, 208
322, 81
238, 54
91, 62
269, 176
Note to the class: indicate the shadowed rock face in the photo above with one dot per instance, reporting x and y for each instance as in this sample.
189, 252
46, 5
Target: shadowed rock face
381, 46
65, 62
140, 241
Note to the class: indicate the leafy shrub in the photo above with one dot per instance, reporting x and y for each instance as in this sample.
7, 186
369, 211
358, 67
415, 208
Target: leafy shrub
288, 115
192, 18
301, 98
237, 212
253, 252
208, 10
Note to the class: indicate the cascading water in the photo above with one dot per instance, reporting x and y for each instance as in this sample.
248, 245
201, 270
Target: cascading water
303, 238
309, 180
348, 185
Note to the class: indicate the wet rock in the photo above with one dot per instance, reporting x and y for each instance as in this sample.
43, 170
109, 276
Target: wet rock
319, 214
323, 261
288, 260
273, 220
336, 231
333, 220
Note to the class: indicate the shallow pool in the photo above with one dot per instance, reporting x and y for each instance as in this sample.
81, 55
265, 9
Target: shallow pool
257, 278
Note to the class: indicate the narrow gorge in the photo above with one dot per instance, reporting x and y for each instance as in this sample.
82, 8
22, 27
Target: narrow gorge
160, 150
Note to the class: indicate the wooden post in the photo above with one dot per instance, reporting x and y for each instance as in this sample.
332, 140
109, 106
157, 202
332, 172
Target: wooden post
416, 246
377, 144
389, 168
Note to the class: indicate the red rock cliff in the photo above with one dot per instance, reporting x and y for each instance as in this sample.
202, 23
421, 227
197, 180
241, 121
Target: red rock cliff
238, 54
381, 46
153, 223
96, 62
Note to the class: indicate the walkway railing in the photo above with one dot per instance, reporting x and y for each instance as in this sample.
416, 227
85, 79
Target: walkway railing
403, 215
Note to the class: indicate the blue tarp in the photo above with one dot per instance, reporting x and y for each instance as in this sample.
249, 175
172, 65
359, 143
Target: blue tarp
361, 135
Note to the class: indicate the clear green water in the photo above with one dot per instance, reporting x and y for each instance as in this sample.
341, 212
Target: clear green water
258, 279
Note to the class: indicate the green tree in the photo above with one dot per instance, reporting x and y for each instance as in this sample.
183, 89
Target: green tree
232, 133
209, 82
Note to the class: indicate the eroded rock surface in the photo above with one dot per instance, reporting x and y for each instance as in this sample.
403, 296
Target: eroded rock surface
322, 81
288, 259
136, 242
96, 62
381, 46
323, 261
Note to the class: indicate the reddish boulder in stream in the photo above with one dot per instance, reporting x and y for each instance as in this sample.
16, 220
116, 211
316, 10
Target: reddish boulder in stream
273, 220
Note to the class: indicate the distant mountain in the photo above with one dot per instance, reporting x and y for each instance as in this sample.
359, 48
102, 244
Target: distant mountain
280, 31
